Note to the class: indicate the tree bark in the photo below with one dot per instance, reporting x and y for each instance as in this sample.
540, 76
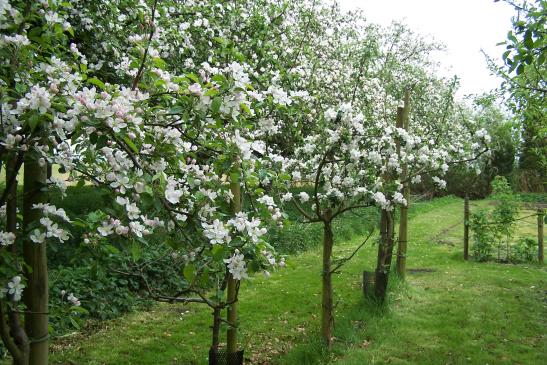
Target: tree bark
36, 293
216, 328
327, 315
390, 239
231, 335
13, 334
382, 272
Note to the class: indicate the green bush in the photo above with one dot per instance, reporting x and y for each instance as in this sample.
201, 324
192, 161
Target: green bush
108, 282
524, 250
483, 237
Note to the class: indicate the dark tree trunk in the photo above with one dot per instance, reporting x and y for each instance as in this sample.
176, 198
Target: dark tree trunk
13, 334
216, 328
385, 250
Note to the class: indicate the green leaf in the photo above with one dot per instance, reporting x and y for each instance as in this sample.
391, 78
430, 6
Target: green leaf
216, 104
192, 77
20, 88
95, 81
79, 223
204, 279
130, 144
76, 309
189, 272
245, 108
159, 63
219, 79
136, 251
528, 41
74, 323
112, 249
218, 252
177, 109
58, 28
33, 121
212, 92
284, 176
220, 40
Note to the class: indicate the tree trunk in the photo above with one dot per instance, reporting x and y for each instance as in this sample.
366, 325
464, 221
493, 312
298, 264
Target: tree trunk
327, 315
231, 335
390, 239
216, 328
15, 338
382, 272
403, 235
36, 293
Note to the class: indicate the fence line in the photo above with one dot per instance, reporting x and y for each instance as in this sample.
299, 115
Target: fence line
512, 220
540, 219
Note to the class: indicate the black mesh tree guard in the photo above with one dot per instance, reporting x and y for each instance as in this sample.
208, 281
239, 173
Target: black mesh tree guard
221, 357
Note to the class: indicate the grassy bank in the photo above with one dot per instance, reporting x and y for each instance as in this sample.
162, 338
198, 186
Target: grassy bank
449, 311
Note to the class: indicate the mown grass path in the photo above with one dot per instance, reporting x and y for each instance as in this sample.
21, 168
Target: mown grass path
455, 313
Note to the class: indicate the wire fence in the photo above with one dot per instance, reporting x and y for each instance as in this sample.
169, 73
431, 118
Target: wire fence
538, 222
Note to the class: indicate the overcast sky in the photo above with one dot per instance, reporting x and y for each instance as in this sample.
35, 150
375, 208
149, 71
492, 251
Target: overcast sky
464, 26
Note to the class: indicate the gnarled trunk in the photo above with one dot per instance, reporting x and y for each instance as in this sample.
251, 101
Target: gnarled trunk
385, 251
12, 331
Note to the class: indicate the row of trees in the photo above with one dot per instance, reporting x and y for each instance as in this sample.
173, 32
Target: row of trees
200, 118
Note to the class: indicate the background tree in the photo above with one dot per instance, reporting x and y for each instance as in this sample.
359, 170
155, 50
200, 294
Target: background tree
524, 74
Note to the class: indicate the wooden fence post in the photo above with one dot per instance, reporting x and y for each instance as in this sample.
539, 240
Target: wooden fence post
36, 295
385, 247
540, 235
403, 223
466, 228
232, 290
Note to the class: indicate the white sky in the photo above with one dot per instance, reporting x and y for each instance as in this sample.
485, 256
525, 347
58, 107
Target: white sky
464, 26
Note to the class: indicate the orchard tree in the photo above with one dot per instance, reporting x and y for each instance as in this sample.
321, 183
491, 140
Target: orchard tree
175, 150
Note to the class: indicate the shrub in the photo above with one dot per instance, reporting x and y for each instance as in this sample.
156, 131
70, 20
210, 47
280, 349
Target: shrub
524, 250
483, 237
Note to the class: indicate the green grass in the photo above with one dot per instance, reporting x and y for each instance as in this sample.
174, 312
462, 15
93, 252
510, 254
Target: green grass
459, 313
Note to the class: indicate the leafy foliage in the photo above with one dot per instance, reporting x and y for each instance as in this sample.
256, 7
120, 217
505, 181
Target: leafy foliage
525, 80
493, 231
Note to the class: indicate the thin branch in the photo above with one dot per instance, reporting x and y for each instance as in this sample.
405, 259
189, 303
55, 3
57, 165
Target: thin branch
145, 55
11, 179
352, 207
303, 212
343, 261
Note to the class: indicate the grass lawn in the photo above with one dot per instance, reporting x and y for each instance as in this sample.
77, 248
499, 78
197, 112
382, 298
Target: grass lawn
456, 312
